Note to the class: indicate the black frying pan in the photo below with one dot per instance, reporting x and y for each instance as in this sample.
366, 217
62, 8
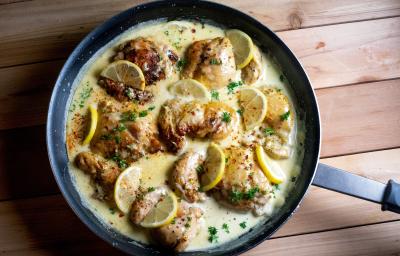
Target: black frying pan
300, 88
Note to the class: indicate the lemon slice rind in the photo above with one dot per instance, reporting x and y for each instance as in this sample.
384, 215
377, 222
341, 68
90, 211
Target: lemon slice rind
214, 167
271, 169
242, 47
93, 124
126, 187
167, 208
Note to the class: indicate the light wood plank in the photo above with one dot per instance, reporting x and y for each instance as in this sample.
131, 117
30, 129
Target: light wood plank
345, 211
360, 118
380, 239
348, 53
29, 226
41, 30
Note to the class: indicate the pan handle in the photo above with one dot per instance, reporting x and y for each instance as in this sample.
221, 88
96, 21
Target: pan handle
388, 195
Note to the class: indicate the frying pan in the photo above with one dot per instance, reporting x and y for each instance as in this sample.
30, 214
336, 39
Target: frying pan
312, 172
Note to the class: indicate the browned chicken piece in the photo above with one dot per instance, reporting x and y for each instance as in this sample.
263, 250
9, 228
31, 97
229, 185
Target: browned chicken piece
177, 118
122, 92
124, 141
145, 202
252, 72
156, 60
211, 62
105, 173
281, 119
244, 185
183, 230
184, 178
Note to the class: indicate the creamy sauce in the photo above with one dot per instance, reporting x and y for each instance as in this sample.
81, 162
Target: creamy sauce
155, 167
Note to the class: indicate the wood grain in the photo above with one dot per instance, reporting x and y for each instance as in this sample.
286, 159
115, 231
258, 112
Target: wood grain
348, 53
30, 226
381, 239
34, 31
360, 118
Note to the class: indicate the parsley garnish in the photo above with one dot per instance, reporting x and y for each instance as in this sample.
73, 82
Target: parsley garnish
151, 189
232, 85
166, 32
236, 195
121, 162
285, 116
214, 94
269, 131
225, 227
143, 113
117, 139
199, 169
173, 221
213, 237
240, 111
293, 178
282, 78
112, 210
243, 224
180, 64
226, 117
106, 137
121, 127
151, 108
128, 116
214, 61
251, 193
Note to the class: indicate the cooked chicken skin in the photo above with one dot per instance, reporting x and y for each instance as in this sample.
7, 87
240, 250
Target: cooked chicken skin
252, 72
177, 118
184, 178
124, 140
105, 173
244, 185
122, 92
145, 203
178, 234
210, 62
154, 59
280, 118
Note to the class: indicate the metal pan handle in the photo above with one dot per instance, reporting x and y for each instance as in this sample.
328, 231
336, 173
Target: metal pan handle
388, 195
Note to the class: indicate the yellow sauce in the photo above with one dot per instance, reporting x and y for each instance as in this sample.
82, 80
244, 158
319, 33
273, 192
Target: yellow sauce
155, 167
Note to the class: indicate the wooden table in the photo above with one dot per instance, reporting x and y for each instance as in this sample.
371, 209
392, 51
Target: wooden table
351, 51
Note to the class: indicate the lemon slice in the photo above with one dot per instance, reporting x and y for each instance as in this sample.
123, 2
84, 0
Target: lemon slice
93, 124
242, 47
270, 168
126, 188
214, 167
190, 88
163, 213
254, 105
125, 72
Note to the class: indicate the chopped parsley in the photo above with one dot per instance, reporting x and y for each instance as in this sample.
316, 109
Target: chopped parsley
232, 85
199, 169
214, 95
226, 117
251, 193
240, 111
285, 116
226, 160
128, 116
269, 131
187, 225
225, 227
120, 162
243, 224
276, 187
151, 108
215, 61
282, 78
176, 45
213, 237
112, 210
117, 139
173, 221
84, 95
293, 178
121, 127
236, 196
143, 113
106, 137
150, 189
166, 32
180, 64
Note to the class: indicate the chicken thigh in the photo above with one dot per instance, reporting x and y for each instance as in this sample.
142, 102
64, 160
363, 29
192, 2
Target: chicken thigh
211, 62
177, 118
179, 233
184, 178
244, 185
